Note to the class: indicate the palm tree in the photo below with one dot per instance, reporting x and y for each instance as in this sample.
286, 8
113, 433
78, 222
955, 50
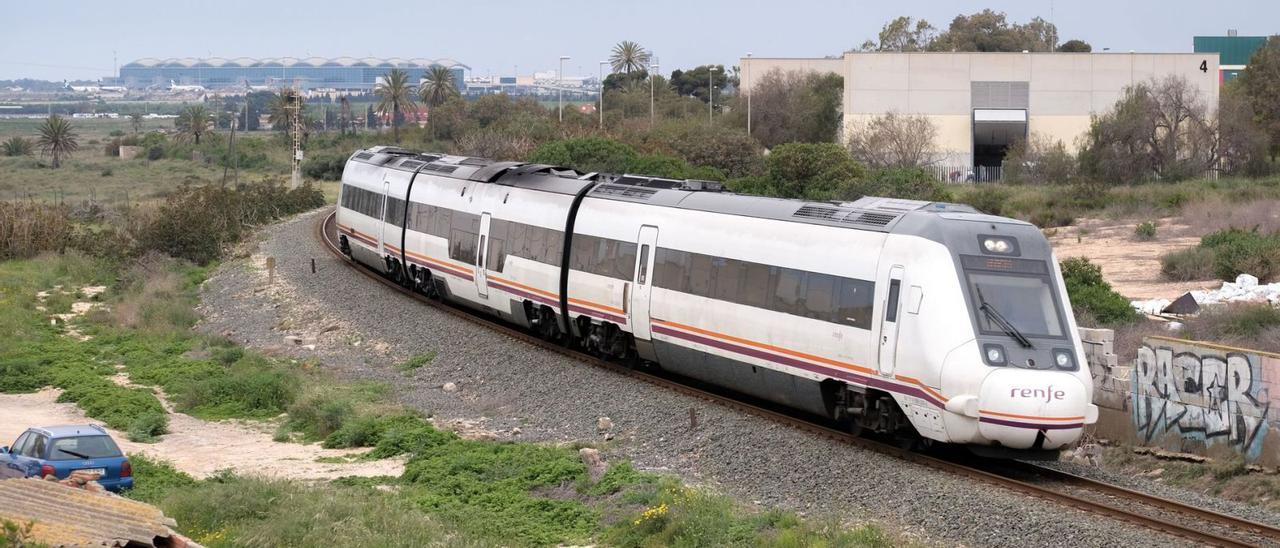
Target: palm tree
395, 96
17, 146
194, 122
57, 139
437, 88
628, 56
135, 120
278, 111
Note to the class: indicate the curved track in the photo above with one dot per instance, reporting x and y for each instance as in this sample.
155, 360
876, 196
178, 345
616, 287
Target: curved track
1165, 516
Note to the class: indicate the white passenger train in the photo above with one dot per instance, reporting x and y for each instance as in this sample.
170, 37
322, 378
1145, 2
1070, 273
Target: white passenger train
929, 319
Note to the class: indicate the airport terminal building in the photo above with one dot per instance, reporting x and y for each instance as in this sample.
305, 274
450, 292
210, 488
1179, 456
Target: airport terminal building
982, 102
343, 73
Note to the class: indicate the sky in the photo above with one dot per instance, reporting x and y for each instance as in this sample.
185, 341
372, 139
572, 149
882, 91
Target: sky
496, 37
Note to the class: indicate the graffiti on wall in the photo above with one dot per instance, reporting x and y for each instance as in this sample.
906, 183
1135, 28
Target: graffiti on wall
1203, 395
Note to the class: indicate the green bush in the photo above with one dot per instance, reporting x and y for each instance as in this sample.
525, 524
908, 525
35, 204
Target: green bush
814, 171
903, 183
319, 414
324, 167
147, 428
1091, 294
1145, 231
586, 154
117, 406
989, 199
1234, 251
1194, 263
243, 392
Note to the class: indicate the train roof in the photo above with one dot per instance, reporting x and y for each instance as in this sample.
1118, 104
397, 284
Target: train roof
866, 213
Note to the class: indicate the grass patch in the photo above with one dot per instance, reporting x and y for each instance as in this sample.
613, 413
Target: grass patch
416, 361
1225, 254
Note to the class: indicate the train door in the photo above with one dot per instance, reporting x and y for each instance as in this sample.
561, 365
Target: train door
889, 322
384, 229
482, 258
646, 248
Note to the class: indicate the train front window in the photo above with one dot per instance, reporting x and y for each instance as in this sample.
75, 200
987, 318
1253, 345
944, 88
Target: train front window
1026, 302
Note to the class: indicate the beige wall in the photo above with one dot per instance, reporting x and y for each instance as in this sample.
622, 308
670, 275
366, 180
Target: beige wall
1065, 89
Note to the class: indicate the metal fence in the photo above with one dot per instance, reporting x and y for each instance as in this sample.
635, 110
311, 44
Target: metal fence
967, 174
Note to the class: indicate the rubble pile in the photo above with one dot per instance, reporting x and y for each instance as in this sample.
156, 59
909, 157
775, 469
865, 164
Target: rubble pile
1245, 289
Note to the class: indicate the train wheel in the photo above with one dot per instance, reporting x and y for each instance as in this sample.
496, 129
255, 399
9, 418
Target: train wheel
344, 246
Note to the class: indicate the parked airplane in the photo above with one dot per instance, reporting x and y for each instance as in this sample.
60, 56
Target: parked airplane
94, 89
173, 86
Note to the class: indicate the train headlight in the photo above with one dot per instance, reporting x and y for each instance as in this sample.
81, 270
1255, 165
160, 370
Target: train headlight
1064, 359
998, 245
994, 354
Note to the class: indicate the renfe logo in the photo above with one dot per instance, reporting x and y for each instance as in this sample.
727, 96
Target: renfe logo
1048, 394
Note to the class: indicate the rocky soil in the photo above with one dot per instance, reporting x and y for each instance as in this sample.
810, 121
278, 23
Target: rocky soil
359, 329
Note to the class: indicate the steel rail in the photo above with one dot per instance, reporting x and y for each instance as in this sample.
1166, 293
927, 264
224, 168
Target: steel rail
326, 232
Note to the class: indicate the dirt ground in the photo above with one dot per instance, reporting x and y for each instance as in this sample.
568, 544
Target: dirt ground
197, 447
1131, 266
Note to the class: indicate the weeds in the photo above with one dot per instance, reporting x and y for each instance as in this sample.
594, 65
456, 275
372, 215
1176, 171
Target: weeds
1145, 231
418, 360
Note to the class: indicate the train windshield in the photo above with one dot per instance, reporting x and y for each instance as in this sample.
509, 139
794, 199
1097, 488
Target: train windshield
1019, 294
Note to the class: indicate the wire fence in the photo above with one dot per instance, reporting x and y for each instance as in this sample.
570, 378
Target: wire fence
967, 174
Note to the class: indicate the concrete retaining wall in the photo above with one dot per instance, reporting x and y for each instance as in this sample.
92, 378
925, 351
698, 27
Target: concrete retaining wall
1187, 396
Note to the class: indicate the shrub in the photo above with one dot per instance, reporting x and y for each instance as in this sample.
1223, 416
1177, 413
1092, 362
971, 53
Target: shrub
146, 428
155, 152
18, 146
1240, 322
989, 199
1195, 263
324, 167
246, 391
318, 415
1091, 294
906, 183
1145, 231
1239, 251
586, 154
27, 229
815, 171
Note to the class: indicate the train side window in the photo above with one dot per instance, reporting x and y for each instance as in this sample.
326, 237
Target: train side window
787, 292
671, 270
443, 220
755, 285
517, 236
727, 279
891, 311
582, 256
854, 301
555, 247
818, 296
644, 262
462, 246
625, 261
700, 274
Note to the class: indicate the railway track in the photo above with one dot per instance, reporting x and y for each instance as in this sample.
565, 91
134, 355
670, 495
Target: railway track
1170, 517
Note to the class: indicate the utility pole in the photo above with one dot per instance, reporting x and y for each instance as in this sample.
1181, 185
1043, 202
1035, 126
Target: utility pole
295, 106
653, 70
560, 86
748, 90
711, 92
602, 64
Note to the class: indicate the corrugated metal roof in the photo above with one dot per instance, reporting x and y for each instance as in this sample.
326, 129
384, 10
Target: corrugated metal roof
1232, 50
66, 516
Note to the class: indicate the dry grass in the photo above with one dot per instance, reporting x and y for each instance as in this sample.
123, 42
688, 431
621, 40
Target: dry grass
28, 228
1214, 213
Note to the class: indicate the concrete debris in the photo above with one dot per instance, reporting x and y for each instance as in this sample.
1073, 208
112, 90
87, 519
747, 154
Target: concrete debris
604, 424
293, 339
595, 463
1170, 455
1245, 289
449, 387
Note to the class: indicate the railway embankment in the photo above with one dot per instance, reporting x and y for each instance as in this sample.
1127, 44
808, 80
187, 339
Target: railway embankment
511, 390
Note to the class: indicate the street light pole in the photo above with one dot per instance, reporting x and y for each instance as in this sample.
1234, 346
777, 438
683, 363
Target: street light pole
560, 86
602, 64
748, 94
653, 69
711, 95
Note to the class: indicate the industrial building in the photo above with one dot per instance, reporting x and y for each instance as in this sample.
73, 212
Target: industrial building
1233, 51
343, 73
980, 103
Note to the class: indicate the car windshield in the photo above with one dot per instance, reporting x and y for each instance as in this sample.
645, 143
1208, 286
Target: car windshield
83, 447
1026, 302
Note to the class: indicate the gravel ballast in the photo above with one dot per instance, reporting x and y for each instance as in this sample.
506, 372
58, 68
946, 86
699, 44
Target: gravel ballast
359, 329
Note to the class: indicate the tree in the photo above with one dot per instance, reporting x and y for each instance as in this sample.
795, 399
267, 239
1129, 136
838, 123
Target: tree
58, 139
1244, 143
17, 146
626, 81
1159, 129
279, 112
989, 30
815, 171
135, 120
894, 141
1075, 46
586, 155
792, 106
438, 86
395, 96
1261, 84
193, 123
903, 34
628, 56
344, 116
1038, 160
694, 82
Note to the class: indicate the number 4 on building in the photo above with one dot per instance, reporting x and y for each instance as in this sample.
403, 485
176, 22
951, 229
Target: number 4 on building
1204, 66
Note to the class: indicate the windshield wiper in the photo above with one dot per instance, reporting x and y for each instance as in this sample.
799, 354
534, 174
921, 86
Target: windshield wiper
74, 454
1004, 324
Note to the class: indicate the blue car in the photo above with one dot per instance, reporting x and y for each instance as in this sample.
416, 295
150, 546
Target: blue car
60, 450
